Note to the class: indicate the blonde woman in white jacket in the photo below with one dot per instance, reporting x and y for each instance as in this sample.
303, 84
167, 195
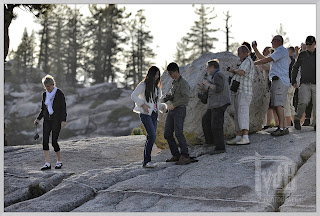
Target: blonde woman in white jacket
146, 97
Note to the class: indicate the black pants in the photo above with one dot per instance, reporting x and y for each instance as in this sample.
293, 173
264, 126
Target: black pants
55, 127
174, 123
212, 126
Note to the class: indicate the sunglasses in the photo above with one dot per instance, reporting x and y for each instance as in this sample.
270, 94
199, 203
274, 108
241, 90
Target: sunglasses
309, 44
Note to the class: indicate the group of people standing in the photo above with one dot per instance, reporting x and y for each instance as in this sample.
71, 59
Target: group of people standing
220, 94
295, 98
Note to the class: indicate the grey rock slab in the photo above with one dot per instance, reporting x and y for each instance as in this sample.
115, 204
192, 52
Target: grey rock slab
300, 195
22, 163
63, 198
26, 109
19, 182
225, 182
109, 176
96, 89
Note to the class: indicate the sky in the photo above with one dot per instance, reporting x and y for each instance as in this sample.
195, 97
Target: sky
168, 23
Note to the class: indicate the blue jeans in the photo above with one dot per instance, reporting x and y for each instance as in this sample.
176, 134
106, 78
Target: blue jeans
150, 124
174, 123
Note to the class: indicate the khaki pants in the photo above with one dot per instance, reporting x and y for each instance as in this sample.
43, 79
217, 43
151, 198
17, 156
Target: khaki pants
288, 106
306, 93
241, 103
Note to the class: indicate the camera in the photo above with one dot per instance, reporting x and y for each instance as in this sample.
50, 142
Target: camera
167, 97
36, 136
203, 96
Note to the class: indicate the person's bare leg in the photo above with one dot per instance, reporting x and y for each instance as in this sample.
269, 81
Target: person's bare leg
280, 114
58, 156
275, 116
47, 156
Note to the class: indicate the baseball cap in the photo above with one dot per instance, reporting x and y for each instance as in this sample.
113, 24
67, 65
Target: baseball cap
310, 40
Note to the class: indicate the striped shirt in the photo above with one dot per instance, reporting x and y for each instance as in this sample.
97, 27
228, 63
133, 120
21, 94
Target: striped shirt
245, 81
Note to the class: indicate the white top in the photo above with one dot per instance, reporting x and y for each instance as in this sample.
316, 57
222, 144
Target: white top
280, 65
139, 98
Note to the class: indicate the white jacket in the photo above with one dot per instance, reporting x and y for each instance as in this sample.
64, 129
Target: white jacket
139, 98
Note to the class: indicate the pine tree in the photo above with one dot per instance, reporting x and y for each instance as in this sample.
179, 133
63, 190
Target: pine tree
198, 40
57, 45
74, 38
105, 27
24, 57
21, 57
182, 49
140, 53
227, 30
34, 74
43, 58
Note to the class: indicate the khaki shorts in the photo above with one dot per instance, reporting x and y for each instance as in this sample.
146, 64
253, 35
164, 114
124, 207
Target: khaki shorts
288, 107
278, 93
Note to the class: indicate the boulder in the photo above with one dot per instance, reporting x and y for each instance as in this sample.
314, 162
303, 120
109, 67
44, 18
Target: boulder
194, 73
300, 195
105, 174
26, 109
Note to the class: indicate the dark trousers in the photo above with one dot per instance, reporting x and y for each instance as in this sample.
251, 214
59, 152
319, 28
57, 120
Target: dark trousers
150, 124
174, 123
212, 125
295, 99
55, 127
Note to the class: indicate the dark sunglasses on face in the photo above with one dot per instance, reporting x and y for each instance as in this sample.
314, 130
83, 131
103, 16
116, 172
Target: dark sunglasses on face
309, 44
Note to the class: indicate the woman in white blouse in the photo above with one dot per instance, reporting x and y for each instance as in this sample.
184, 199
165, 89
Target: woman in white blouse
146, 97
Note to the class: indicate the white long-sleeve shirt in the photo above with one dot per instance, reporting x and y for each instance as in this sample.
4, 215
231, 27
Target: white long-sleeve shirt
138, 96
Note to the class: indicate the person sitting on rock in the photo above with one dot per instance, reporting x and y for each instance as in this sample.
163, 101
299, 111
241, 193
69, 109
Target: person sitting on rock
242, 96
146, 97
54, 112
218, 101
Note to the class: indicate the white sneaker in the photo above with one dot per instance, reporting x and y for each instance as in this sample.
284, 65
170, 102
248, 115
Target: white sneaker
232, 142
150, 165
243, 141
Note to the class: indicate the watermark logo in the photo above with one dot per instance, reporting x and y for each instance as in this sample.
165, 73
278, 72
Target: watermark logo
272, 174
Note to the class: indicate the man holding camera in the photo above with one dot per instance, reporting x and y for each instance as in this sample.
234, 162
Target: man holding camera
179, 98
218, 101
241, 95
279, 76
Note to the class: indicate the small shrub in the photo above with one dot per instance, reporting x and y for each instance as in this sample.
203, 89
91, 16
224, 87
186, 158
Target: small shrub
136, 131
36, 191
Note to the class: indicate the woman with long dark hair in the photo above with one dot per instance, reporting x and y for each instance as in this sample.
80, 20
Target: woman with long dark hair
146, 97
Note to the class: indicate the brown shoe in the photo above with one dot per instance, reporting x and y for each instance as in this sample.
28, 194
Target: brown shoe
173, 159
184, 160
